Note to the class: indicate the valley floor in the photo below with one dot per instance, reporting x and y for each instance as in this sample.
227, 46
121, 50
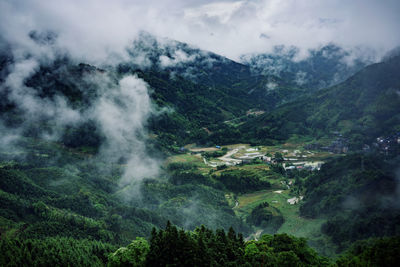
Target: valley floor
280, 195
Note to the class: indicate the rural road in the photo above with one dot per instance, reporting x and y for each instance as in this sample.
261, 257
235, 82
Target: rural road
228, 156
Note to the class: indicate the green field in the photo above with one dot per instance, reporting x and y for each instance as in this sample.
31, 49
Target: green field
277, 195
294, 224
188, 158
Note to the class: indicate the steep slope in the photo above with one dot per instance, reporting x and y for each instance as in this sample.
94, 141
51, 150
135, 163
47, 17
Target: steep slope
71, 131
363, 107
358, 195
188, 79
193, 90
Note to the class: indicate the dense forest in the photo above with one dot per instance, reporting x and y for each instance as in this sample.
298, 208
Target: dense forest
359, 196
201, 247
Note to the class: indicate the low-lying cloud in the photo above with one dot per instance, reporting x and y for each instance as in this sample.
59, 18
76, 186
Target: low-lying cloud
100, 30
122, 113
119, 106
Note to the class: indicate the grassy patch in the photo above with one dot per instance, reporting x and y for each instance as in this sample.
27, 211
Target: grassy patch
294, 224
196, 160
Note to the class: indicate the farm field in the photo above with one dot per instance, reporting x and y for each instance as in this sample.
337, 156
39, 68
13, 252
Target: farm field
280, 189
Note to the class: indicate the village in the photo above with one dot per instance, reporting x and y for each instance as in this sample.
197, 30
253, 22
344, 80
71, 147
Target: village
288, 157
242, 154
389, 145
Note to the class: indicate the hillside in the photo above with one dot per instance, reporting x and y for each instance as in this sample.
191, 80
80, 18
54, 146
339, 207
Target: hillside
192, 91
358, 196
363, 107
320, 68
96, 156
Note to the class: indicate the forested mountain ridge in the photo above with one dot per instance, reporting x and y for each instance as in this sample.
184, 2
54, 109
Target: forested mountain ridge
203, 90
363, 107
196, 89
320, 68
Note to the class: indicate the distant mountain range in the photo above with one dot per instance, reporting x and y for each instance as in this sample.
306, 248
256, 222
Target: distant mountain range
363, 107
202, 90
320, 68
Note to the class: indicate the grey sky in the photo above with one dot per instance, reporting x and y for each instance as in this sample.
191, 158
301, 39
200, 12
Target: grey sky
96, 29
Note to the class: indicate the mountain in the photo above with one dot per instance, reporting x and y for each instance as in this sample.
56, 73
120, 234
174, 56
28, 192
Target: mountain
70, 131
197, 90
363, 107
229, 87
321, 68
92, 157
358, 195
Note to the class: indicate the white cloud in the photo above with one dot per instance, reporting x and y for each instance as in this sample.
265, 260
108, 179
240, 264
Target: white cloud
99, 30
220, 11
178, 57
122, 113
270, 86
27, 99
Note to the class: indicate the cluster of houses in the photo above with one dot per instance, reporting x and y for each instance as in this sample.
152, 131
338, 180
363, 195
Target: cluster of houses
296, 161
389, 145
309, 166
288, 163
338, 146
251, 156
386, 145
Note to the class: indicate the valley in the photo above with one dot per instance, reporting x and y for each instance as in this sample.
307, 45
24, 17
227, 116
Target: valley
129, 148
281, 194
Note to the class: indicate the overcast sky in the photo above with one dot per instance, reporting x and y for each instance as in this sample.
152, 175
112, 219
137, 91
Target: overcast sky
96, 28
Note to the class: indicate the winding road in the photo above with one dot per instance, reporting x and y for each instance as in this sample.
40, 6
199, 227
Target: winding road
228, 156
